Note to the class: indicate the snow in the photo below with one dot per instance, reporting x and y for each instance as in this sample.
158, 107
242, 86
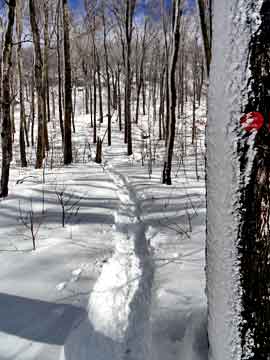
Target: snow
124, 279
227, 95
119, 306
36, 285
61, 286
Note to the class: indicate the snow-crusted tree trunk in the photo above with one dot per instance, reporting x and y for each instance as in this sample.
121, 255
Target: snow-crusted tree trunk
238, 182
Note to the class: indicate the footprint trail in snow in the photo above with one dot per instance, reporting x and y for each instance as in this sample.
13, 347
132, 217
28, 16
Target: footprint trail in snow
118, 323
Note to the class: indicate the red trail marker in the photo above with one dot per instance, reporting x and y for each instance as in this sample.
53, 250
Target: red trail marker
252, 120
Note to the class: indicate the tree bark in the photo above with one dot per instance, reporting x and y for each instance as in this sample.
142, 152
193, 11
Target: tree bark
238, 183
100, 101
33, 106
130, 7
39, 84
68, 87
46, 69
6, 133
59, 73
166, 179
95, 107
206, 28
108, 80
140, 74
119, 97
23, 128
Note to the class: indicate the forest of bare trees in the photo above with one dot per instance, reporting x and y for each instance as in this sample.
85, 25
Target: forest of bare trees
128, 53
148, 74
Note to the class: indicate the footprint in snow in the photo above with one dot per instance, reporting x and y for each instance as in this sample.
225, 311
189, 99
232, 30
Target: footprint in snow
61, 286
76, 274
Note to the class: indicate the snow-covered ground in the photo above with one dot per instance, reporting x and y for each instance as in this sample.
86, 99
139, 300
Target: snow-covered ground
131, 245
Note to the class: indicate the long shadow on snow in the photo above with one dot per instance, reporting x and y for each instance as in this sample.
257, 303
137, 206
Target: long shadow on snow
54, 216
37, 320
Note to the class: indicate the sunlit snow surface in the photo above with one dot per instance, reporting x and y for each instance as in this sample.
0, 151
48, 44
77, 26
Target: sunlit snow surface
124, 219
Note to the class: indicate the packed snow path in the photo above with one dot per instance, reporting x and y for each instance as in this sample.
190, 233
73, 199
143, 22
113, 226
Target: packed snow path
118, 323
173, 218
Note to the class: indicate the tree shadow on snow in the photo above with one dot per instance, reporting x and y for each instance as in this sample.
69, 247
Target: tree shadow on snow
37, 320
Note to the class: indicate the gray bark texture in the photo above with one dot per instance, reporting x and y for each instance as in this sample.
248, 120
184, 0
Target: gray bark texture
6, 131
39, 84
166, 179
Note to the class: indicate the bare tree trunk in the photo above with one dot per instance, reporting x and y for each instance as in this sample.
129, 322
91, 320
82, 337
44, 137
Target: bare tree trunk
74, 108
193, 135
166, 108
95, 108
98, 158
39, 84
206, 31
68, 87
125, 117
143, 94
154, 87
167, 103
12, 104
161, 131
23, 129
1, 66
108, 80
86, 93
119, 97
172, 93
46, 65
86, 89
44, 81
53, 102
140, 75
114, 84
6, 133
99, 88
58, 46
33, 106
91, 104
130, 7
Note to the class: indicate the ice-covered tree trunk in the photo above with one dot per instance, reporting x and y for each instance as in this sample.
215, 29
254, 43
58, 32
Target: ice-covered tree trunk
238, 182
